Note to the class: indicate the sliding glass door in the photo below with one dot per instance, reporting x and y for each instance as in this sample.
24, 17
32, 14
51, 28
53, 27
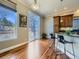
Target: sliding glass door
33, 26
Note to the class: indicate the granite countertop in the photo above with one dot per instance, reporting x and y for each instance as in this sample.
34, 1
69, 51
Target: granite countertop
74, 35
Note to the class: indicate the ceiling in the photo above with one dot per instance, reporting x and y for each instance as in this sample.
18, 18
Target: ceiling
47, 7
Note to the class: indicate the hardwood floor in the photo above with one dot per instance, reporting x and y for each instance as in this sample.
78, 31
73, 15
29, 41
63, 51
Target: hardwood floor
39, 49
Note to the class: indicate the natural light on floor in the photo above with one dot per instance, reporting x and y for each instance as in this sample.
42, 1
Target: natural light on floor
33, 50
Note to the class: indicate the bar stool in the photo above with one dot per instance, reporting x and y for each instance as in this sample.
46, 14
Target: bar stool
64, 42
52, 35
56, 51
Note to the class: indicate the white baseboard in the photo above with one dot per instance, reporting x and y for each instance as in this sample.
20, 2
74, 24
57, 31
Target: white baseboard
12, 47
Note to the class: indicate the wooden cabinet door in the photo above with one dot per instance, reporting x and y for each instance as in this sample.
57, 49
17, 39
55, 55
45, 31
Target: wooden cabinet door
63, 21
56, 24
70, 20
66, 21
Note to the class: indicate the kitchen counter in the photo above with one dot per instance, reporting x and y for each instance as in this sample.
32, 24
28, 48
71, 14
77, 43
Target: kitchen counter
74, 38
74, 35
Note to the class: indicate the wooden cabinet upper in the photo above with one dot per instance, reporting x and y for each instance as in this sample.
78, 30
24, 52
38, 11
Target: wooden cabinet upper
66, 21
62, 21
56, 24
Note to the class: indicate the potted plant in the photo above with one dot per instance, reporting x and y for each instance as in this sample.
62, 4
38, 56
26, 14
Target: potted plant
68, 32
44, 36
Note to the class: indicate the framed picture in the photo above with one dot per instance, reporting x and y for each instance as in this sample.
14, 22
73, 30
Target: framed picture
22, 20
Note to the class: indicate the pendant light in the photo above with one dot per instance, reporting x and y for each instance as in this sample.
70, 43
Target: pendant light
61, 9
35, 5
61, 4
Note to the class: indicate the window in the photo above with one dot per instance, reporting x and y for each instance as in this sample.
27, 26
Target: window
76, 23
8, 26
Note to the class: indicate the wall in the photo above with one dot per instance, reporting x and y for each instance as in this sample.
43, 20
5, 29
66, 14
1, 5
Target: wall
7, 3
42, 24
48, 25
21, 32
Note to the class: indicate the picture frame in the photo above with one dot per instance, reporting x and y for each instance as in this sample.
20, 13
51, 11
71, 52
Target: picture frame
22, 20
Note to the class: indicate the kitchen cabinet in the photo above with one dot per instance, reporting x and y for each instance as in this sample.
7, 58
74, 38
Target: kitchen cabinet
62, 22
66, 21
56, 24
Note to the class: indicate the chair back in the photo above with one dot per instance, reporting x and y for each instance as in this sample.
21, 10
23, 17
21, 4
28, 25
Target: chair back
60, 38
52, 36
